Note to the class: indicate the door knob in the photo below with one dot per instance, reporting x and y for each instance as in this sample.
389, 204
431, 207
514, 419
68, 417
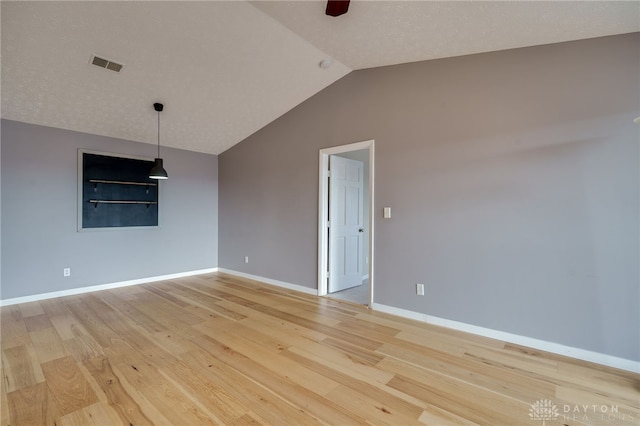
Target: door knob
360, 230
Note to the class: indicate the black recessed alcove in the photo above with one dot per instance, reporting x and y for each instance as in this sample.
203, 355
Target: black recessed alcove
117, 192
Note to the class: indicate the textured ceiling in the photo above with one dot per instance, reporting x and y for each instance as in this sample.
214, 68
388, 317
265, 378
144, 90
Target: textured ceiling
226, 69
223, 69
377, 33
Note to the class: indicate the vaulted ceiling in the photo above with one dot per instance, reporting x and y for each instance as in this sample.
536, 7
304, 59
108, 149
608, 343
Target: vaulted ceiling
225, 69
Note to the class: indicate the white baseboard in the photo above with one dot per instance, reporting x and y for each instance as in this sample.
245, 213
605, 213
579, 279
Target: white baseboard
81, 290
283, 284
556, 348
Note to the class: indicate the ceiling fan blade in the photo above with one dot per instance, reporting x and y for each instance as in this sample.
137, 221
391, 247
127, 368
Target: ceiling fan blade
337, 7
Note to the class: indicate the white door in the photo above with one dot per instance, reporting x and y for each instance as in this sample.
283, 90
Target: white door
346, 228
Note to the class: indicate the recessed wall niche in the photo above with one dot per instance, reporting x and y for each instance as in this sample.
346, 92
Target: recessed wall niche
115, 191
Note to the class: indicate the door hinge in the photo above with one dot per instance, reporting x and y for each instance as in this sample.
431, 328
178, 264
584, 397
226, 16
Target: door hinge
327, 274
329, 173
328, 224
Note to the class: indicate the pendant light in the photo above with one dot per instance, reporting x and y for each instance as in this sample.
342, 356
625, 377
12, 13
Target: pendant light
158, 171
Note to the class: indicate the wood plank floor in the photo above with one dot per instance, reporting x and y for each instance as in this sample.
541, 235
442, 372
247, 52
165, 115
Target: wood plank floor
215, 349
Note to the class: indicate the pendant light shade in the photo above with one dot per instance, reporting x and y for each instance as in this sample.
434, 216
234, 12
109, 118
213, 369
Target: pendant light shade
158, 171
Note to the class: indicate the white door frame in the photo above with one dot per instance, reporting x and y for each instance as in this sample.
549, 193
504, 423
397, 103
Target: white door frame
323, 211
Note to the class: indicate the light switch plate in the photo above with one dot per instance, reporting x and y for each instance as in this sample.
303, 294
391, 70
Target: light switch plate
387, 213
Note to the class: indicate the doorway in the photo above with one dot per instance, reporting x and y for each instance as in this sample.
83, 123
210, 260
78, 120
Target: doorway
345, 222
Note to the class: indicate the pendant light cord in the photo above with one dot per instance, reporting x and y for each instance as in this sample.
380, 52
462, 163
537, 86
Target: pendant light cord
158, 134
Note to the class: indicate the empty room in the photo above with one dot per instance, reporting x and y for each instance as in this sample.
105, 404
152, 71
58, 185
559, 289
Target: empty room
320, 212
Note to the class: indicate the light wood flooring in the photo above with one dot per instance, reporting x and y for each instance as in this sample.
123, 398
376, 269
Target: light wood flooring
215, 349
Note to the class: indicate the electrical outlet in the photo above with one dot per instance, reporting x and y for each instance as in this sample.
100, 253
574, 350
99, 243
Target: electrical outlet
246, 259
66, 272
420, 289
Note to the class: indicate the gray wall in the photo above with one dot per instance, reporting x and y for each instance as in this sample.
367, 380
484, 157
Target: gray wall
39, 215
513, 178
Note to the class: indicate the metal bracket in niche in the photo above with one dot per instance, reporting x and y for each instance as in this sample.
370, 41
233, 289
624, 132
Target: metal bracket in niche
96, 202
95, 183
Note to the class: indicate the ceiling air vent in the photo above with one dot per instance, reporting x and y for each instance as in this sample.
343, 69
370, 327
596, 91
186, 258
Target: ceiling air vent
105, 63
